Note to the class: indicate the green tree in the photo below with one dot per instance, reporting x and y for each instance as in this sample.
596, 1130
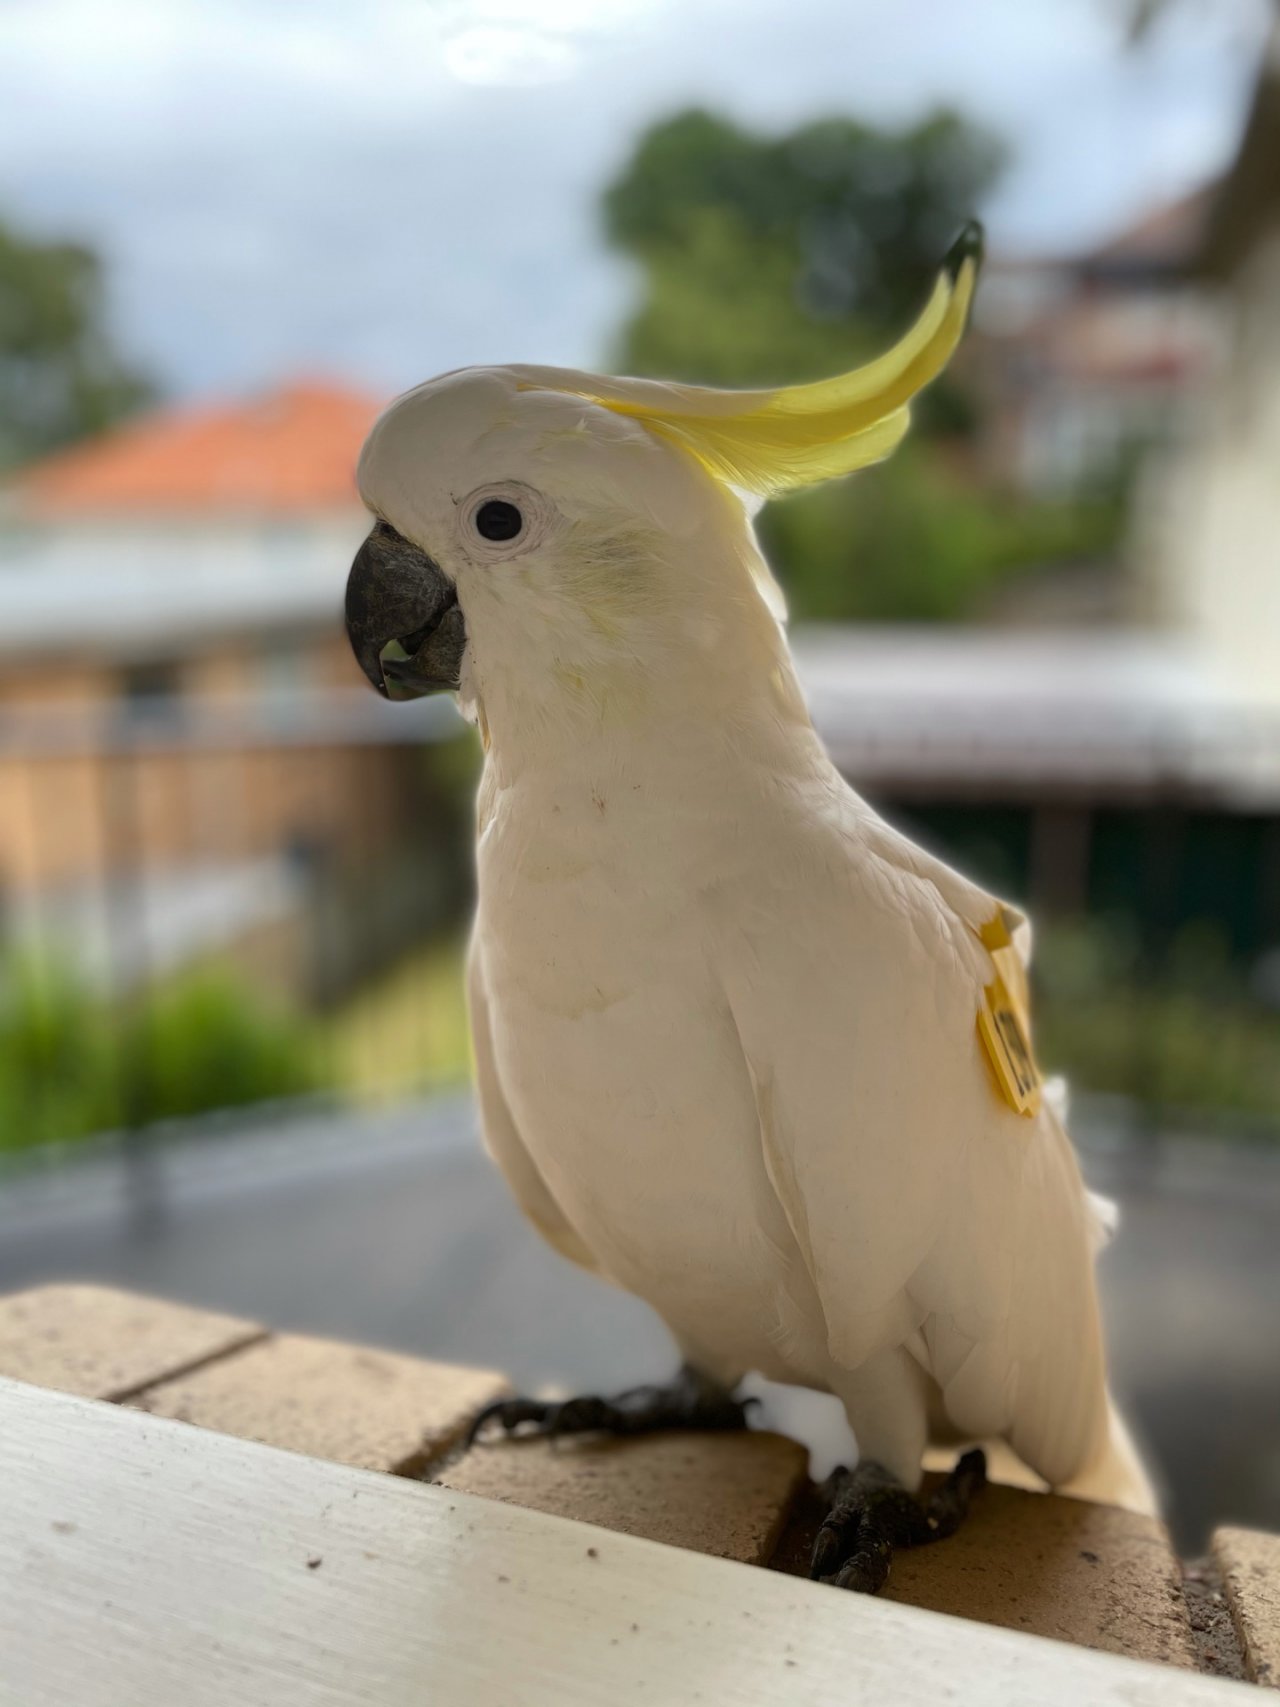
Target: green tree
767, 259
60, 378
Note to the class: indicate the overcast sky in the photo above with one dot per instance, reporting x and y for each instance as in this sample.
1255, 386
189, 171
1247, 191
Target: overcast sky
380, 189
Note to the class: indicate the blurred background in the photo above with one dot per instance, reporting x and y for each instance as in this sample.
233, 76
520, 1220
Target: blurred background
1044, 638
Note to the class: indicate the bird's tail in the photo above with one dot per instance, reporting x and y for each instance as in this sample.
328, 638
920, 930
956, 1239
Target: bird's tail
1117, 1475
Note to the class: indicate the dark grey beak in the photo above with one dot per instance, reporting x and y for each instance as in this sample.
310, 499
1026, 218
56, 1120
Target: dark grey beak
403, 619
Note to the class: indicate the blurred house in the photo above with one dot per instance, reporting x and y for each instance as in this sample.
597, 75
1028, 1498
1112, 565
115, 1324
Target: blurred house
1086, 361
1211, 558
183, 734
1159, 352
198, 552
1108, 771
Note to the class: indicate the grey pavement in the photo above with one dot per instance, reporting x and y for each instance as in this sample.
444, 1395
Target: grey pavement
391, 1228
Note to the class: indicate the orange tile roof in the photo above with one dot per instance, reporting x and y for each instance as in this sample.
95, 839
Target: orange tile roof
289, 452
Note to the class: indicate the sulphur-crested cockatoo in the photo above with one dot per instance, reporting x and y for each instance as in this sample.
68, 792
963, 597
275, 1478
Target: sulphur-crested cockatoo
741, 1048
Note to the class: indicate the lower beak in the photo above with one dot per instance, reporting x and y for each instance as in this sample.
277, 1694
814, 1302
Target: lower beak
403, 618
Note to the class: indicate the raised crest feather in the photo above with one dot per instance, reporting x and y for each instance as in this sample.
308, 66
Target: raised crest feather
766, 442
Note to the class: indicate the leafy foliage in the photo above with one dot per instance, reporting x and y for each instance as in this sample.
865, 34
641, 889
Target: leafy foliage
768, 259
406, 1030
1186, 1035
60, 378
70, 1065
771, 259
918, 541
208, 1042
56, 1064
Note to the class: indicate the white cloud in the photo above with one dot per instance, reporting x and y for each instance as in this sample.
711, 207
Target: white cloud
384, 188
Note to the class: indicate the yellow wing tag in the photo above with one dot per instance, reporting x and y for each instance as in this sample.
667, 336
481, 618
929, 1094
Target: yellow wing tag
1004, 1021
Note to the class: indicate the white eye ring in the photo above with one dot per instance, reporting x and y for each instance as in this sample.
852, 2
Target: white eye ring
536, 517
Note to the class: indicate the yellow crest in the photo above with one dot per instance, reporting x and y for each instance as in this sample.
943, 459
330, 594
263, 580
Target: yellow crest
766, 442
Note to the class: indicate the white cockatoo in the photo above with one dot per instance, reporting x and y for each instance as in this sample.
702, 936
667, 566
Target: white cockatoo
741, 1048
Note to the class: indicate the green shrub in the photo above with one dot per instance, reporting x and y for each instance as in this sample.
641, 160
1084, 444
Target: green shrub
208, 1042
1180, 1034
72, 1065
915, 541
56, 1066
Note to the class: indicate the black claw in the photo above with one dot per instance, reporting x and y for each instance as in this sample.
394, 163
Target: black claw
871, 1514
828, 1549
509, 1414
948, 1508
868, 1570
691, 1401
479, 1421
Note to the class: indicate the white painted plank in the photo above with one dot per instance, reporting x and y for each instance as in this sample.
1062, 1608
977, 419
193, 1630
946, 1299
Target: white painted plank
145, 1563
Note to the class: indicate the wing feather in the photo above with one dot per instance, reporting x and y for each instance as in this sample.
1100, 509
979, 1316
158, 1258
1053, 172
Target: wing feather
933, 1216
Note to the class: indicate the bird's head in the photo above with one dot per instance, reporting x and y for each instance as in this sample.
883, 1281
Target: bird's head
561, 526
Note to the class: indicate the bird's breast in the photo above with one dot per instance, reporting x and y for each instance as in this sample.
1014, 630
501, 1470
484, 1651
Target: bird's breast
621, 1064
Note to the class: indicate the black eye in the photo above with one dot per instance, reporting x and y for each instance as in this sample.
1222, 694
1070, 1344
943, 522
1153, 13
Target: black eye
498, 520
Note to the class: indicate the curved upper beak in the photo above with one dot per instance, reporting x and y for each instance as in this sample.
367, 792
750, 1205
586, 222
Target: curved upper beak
403, 618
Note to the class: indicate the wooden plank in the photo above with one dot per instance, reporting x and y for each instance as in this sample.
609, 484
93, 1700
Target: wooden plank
377, 1410
1053, 1567
727, 1494
143, 1563
104, 1344
1250, 1566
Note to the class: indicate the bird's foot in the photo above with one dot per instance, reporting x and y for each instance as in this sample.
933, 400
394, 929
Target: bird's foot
692, 1400
872, 1514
